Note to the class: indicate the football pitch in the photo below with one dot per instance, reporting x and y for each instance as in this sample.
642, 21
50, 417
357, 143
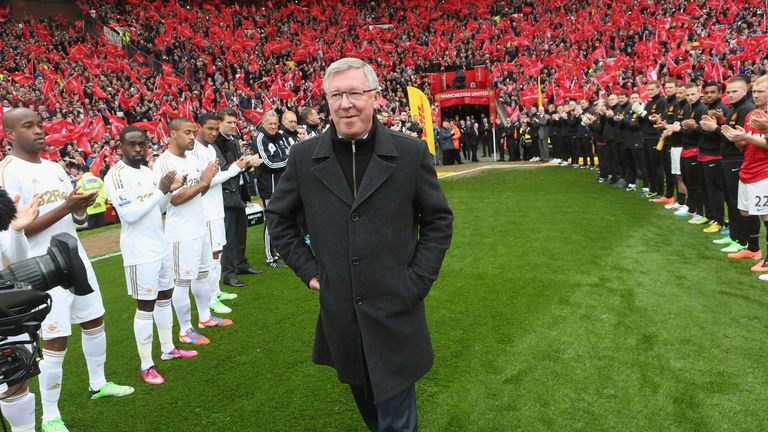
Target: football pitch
562, 306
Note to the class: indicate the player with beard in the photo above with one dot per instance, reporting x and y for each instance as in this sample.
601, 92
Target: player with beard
711, 158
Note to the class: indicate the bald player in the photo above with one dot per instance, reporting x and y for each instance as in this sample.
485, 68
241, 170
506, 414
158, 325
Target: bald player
25, 174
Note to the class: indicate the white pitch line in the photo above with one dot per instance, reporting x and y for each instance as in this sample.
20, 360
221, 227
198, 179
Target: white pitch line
491, 167
109, 255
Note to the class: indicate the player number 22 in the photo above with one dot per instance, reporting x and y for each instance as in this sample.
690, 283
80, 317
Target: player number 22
761, 201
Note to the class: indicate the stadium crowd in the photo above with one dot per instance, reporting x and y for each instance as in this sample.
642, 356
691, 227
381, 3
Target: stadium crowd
633, 90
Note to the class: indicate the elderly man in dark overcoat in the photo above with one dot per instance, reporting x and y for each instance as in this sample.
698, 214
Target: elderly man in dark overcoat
379, 226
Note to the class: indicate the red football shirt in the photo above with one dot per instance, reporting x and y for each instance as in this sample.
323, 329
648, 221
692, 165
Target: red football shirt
755, 165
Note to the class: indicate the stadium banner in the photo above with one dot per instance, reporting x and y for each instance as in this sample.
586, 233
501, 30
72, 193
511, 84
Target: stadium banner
420, 107
465, 97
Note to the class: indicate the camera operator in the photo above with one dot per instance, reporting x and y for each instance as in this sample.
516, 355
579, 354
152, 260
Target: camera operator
24, 173
17, 403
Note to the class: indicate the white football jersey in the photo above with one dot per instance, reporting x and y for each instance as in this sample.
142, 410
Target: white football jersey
213, 202
185, 221
51, 182
137, 200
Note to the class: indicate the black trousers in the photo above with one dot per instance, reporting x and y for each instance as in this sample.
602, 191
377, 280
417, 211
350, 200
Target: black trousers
602, 159
499, 149
654, 165
689, 167
585, 150
394, 414
448, 157
731, 170
714, 183
671, 182
473, 152
573, 150
556, 150
628, 164
233, 258
615, 149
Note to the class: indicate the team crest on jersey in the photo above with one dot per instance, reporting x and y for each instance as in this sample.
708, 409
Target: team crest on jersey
187, 272
123, 198
733, 117
53, 327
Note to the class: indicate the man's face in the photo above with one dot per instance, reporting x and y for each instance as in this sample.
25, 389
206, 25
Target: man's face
584, 104
228, 125
653, 90
612, 100
622, 99
692, 95
27, 133
736, 91
208, 132
134, 147
185, 136
270, 124
711, 94
680, 92
352, 118
760, 94
670, 89
313, 118
289, 121
634, 98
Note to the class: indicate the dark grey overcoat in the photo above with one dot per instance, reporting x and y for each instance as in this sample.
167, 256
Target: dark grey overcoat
377, 255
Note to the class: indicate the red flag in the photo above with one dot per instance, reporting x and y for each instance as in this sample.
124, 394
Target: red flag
126, 103
116, 124
98, 128
99, 162
75, 86
253, 115
98, 92
22, 78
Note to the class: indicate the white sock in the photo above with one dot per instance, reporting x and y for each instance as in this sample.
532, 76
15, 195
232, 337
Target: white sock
51, 372
202, 292
164, 323
143, 331
95, 351
19, 410
182, 304
214, 277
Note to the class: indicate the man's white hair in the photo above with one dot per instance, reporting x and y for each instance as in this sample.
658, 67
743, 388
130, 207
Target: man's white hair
351, 63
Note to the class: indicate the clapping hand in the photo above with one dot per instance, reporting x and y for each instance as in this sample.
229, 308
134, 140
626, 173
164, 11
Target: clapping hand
27, 213
759, 120
688, 124
708, 123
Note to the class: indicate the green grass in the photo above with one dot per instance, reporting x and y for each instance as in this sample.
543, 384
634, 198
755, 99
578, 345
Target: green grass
562, 306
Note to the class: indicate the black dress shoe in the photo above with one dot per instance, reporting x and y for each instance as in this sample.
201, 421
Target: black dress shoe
251, 271
234, 282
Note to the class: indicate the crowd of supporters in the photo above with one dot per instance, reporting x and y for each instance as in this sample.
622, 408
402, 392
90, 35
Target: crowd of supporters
175, 59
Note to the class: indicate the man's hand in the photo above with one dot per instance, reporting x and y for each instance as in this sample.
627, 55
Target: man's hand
689, 124
708, 123
254, 160
27, 213
314, 284
654, 118
737, 134
674, 127
167, 182
77, 202
210, 171
759, 120
717, 114
242, 163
